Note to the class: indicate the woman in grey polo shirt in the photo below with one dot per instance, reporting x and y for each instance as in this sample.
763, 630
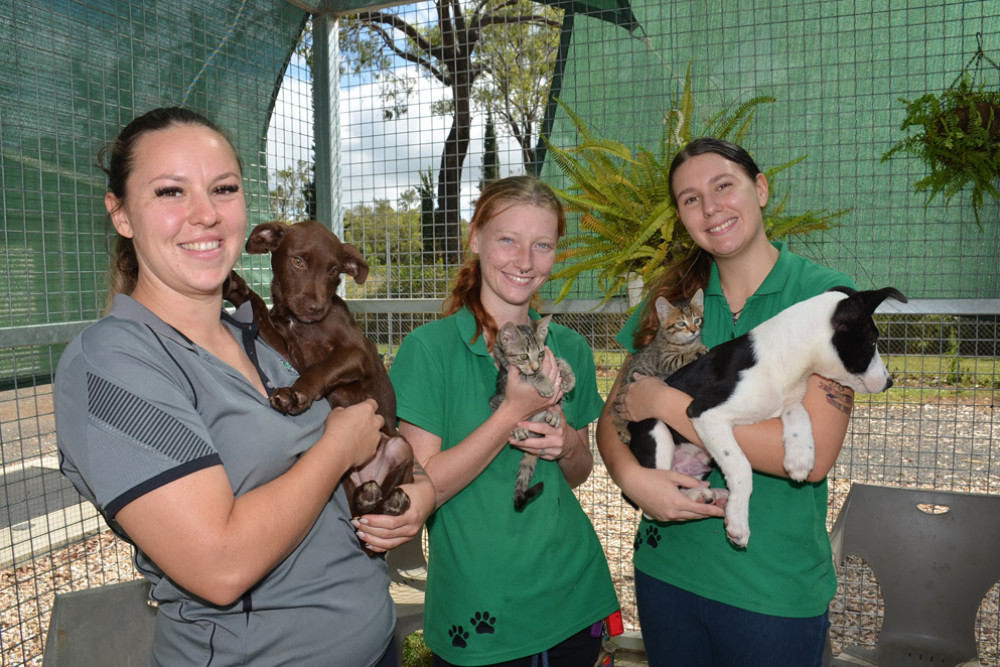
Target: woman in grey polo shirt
163, 423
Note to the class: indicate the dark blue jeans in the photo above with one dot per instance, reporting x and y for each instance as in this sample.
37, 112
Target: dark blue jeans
580, 650
389, 659
680, 629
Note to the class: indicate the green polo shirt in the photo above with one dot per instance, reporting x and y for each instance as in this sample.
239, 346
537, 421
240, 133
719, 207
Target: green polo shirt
501, 584
787, 569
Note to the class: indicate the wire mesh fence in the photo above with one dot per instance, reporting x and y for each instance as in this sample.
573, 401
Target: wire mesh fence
73, 73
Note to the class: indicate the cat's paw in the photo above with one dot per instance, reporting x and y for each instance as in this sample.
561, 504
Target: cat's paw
519, 433
624, 434
567, 379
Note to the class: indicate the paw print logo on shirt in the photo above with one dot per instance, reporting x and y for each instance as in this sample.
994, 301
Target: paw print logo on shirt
483, 622
480, 623
458, 636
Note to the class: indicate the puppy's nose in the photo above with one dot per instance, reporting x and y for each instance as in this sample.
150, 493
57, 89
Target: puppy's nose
888, 384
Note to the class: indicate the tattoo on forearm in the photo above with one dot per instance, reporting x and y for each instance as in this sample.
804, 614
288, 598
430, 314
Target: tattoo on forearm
838, 396
418, 469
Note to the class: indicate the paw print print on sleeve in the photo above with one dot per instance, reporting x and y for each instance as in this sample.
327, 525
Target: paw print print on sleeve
458, 636
483, 622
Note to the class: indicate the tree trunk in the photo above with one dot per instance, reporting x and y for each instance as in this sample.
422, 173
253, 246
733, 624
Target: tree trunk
456, 148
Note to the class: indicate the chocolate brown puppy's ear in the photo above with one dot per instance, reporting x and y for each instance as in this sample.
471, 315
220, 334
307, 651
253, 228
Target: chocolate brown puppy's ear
354, 264
266, 237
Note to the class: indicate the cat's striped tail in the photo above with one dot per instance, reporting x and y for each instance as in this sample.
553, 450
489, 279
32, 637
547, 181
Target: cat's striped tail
522, 492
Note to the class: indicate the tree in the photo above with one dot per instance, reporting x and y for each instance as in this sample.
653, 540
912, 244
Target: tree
293, 197
431, 229
449, 52
388, 241
520, 60
491, 157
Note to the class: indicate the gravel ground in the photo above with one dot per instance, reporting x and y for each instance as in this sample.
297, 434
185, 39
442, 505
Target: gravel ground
28, 590
944, 446
953, 447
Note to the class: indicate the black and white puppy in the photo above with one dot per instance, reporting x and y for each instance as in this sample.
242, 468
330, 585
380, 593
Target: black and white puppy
763, 374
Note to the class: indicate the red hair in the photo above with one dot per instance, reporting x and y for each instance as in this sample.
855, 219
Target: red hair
496, 198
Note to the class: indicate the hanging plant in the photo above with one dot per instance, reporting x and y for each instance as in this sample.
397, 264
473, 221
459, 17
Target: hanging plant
958, 138
628, 223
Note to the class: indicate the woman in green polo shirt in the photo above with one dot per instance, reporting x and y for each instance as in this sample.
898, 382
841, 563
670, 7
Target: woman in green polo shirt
702, 601
504, 586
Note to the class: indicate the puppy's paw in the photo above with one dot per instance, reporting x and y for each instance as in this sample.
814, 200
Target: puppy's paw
717, 497
396, 503
235, 290
700, 495
737, 530
798, 465
367, 498
289, 401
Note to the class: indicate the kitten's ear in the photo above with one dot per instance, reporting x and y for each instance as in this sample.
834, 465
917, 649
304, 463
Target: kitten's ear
699, 299
506, 332
664, 309
542, 327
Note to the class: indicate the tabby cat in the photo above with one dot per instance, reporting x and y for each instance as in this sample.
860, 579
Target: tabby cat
523, 346
677, 343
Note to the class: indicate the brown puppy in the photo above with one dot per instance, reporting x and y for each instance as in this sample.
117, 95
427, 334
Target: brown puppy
312, 327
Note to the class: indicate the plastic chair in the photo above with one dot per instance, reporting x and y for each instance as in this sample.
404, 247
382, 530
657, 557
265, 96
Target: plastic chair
408, 573
111, 626
935, 554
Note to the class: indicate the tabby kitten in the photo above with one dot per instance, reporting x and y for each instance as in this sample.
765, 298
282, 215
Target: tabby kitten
523, 346
677, 343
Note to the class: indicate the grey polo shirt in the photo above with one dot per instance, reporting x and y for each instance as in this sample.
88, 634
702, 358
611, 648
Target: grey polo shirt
137, 406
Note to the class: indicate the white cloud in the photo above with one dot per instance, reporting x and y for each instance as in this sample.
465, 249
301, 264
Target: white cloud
380, 158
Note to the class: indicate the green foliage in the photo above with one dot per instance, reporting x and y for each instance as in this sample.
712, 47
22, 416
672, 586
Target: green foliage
491, 155
628, 223
957, 135
415, 652
293, 198
503, 50
390, 241
383, 234
519, 58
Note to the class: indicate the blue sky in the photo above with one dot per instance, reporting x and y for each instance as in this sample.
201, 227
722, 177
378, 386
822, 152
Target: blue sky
380, 158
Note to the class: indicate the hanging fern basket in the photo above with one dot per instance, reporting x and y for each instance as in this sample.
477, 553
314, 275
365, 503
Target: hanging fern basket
957, 135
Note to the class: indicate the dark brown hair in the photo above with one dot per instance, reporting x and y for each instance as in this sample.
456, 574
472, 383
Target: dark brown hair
117, 159
686, 276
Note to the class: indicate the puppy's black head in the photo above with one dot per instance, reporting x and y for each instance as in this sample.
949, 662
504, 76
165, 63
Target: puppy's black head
854, 332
